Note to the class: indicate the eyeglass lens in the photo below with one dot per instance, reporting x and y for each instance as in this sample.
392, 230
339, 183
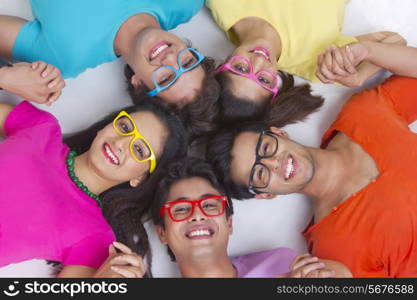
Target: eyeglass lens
139, 148
183, 210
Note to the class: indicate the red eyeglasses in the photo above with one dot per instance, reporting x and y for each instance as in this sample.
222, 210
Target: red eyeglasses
182, 210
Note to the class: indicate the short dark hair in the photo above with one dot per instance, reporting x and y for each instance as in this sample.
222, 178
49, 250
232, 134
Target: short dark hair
184, 168
292, 104
219, 155
200, 115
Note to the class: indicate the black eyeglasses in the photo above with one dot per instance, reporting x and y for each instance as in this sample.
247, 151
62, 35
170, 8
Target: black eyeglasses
260, 175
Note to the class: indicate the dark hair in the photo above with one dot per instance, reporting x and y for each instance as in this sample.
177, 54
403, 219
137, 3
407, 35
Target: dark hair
200, 115
126, 207
293, 103
184, 168
219, 155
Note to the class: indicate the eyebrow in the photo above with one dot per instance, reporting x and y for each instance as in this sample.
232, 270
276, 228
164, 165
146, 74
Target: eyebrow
201, 196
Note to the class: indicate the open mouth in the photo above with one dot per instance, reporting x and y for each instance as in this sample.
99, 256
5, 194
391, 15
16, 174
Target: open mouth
261, 52
158, 49
109, 154
199, 233
290, 168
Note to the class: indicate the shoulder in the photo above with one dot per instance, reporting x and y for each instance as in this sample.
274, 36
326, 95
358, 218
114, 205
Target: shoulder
25, 116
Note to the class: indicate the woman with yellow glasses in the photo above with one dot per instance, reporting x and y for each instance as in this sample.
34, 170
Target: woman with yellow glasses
69, 200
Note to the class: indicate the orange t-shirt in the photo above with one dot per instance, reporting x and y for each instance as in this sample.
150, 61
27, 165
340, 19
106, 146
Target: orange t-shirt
374, 232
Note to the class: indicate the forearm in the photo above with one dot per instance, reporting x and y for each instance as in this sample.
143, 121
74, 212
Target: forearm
400, 60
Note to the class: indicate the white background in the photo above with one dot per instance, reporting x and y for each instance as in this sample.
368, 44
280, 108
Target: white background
258, 224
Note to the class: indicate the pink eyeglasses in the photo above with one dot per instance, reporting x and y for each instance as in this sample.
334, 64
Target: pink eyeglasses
241, 66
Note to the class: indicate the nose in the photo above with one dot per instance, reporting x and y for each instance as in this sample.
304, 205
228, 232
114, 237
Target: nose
197, 215
258, 63
122, 143
170, 59
271, 163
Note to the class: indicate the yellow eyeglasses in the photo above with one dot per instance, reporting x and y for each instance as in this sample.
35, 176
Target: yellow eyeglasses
139, 147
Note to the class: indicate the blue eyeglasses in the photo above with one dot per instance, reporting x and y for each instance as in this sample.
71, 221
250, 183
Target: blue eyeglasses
165, 76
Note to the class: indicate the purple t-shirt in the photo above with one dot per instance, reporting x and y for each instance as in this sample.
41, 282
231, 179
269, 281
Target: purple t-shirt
43, 214
264, 264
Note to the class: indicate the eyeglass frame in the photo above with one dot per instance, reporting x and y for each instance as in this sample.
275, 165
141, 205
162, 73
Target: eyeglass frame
178, 72
137, 135
167, 207
258, 158
228, 66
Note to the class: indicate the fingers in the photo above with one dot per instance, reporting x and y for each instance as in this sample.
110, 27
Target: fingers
128, 259
112, 250
304, 261
128, 271
52, 98
298, 259
122, 247
322, 273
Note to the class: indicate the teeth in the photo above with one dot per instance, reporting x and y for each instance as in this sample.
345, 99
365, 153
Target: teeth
199, 233
110, 154
290, 168
261, 53
158, 50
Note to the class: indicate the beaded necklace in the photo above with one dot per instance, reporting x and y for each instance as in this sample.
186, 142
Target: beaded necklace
81, 186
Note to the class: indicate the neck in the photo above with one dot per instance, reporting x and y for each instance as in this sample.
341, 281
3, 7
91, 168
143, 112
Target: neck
208, 267
86, 174
253, 30
124, 42
326, 189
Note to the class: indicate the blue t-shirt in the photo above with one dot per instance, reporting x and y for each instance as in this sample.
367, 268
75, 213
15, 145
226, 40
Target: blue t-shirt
74, 35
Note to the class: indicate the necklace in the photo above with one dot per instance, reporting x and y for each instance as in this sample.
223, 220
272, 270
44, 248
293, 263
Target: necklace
81, 186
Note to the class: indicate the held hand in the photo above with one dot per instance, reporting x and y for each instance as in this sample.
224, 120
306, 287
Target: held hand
38, 82
339, 64
307, 266
121, 265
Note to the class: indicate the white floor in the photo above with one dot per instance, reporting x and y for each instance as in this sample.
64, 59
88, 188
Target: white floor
258, 224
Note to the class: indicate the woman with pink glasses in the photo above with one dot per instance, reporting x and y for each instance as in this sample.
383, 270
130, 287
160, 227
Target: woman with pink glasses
299, 37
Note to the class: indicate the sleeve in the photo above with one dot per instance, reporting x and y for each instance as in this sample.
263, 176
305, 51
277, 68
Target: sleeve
402, 94
91, 251
25, 116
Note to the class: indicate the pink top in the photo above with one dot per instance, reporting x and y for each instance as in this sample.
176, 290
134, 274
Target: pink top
43, 214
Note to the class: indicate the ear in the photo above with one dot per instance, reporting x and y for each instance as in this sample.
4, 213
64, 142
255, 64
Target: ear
160, 231
135, 81
265, 196
279, 131
230, 224
137, 181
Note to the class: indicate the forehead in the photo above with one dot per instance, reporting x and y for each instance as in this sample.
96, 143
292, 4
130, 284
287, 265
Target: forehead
243, 156
151, 128
246, 88
186, 87
191, 188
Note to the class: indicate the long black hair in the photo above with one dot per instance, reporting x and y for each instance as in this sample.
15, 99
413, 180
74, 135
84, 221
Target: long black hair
292, 104
125, 207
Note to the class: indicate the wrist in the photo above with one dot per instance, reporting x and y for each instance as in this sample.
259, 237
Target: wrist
3, 71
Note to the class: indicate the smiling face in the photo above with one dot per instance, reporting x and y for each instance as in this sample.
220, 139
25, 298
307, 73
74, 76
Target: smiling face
261, 59
110, 154
199, 237
156, 47
291, 168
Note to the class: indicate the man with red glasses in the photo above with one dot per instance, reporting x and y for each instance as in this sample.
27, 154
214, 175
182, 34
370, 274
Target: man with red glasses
193, 218
363, 180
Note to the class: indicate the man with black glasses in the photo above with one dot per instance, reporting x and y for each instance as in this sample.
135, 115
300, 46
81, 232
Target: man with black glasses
362, 181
